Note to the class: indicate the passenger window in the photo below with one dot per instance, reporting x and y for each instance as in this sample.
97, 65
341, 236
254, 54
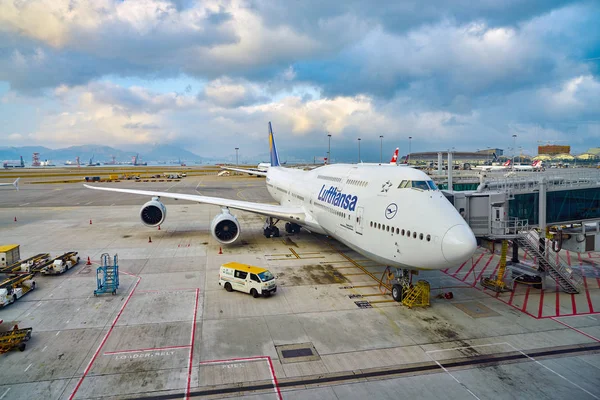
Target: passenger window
414, 235
408, 233
397, 231
421, 236
402, 232
378, 226
387, 228
254, 278
241, 274
429, 238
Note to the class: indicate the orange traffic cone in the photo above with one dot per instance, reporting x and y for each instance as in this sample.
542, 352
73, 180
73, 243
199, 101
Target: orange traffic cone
159, 227
149, 239
220, 250
89, 262
90, 221
15, 219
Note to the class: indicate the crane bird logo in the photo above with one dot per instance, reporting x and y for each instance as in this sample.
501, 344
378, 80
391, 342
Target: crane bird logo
391, 210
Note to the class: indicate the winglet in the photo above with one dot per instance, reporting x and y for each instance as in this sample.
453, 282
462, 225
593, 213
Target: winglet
16, 183
273, 148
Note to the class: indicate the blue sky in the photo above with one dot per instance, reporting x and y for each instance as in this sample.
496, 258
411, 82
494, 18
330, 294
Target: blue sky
209, 75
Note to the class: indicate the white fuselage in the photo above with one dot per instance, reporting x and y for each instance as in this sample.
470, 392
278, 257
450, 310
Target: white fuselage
364, 207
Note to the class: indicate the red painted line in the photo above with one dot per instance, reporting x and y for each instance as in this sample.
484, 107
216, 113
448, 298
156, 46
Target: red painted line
585, 284
274, 378
234, 359
541, 308
445, 270
484, 268
473, 267
526, 298
512, 294
557, 300
189, 379
89, 366
108, 353
461, 267
575, 329
573, 304
525, 255
166, 291
568, 257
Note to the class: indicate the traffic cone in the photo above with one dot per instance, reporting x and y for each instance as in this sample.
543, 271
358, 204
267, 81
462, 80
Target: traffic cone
159, 227
220, 250
90, 221
15, 219
89, 261
149, 239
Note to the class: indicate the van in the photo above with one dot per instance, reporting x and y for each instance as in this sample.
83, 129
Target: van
247, 278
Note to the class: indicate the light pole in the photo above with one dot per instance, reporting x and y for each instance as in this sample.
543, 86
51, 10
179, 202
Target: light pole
409, 149
236, 157
381, 149
329, 150
359, 150
514, 149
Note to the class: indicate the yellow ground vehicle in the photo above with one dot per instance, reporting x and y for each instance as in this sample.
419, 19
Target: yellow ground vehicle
247, 278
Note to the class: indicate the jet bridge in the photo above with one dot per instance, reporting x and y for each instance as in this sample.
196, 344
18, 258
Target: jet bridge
522, 208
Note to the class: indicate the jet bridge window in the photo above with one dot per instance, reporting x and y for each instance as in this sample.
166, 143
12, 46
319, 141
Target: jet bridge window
420, 185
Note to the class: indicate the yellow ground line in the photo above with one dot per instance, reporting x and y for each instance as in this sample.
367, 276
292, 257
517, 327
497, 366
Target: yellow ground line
374, 294
360, 273
388, 287
351, 266
294, 253
363, 286
383, 301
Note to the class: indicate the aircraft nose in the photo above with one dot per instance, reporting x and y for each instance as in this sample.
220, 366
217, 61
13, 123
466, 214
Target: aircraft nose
458, 244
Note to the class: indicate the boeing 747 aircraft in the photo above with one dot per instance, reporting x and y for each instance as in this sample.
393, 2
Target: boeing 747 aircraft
15, 184
394, 216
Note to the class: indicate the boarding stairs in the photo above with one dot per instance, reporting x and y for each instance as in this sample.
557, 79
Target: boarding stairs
107, 275
564, 275
418, 295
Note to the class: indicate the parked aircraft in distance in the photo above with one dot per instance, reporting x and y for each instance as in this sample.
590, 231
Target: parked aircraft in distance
394, 216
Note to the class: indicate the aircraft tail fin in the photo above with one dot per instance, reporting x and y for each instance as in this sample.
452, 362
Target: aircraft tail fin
273, 148
394, 159
16, 183
507, 163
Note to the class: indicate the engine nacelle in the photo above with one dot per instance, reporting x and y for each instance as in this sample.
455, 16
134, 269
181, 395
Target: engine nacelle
153, 213
225, 227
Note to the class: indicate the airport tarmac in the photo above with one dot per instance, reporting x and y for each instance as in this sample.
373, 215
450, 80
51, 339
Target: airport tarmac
329, 332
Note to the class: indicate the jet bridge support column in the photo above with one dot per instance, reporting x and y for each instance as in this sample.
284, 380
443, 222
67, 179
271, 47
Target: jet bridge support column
542, 214
440, 163
450, 171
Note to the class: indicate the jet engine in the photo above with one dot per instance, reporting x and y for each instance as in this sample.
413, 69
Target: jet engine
225, 227
153, 213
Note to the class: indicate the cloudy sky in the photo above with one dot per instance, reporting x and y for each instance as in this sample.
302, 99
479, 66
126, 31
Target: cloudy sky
209, 75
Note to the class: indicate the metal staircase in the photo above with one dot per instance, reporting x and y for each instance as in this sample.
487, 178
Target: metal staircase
107, 276
554, 266
418, 295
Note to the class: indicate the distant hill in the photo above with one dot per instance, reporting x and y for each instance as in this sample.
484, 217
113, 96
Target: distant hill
101, 154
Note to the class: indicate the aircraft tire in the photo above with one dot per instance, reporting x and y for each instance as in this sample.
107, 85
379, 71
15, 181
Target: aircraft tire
275, 231
397, 293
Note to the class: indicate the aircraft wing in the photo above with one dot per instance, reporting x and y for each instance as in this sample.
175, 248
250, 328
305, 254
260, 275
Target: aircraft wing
246, 171
295, 214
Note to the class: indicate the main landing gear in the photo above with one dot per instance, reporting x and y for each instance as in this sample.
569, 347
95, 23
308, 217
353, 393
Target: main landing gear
270, 230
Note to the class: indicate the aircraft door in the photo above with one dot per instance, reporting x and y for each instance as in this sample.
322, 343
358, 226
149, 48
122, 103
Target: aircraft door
358, 227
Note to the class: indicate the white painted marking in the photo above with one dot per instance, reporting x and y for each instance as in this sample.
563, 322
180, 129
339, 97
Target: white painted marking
24, 204
68, 321
4, 394
51, 294
553, 371
28, 314
453, 377
57, 333
44, 349
88, 203
112, 204
79, 309
29, 366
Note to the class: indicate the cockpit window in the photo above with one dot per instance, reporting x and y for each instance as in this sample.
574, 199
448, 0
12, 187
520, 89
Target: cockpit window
420, 185
404, 184
432, 185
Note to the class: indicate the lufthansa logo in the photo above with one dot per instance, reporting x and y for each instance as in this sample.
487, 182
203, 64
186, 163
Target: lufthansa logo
391, 210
